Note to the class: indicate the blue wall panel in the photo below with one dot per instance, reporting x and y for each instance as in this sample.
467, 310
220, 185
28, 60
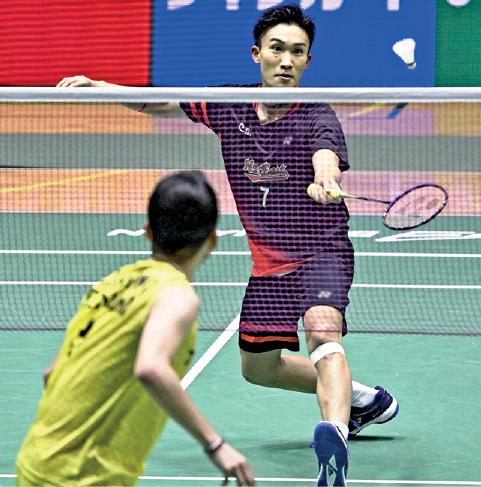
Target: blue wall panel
202, 43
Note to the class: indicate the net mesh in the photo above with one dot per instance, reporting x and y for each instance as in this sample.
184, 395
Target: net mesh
75, 178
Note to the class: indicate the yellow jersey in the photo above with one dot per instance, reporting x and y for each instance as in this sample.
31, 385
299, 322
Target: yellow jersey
96, 423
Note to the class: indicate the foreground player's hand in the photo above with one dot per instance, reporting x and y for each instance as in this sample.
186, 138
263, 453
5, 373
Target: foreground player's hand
320, 193
234, 464
76, 82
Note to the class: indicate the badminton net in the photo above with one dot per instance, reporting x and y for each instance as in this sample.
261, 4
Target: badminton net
77, 168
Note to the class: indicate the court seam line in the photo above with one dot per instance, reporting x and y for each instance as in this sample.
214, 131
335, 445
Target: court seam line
273, 479
62, 181
388, 286
230, 252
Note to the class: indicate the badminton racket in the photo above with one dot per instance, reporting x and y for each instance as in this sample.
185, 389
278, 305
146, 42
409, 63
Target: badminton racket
411, 209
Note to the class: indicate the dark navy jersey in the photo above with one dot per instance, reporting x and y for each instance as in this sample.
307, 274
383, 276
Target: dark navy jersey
269, 168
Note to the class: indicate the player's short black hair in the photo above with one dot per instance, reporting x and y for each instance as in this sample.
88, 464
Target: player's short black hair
284, 14
182, 213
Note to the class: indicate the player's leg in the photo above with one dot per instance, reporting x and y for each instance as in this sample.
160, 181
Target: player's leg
269, 324
268, 320
323, 326
323, 297
283, 371
326, 281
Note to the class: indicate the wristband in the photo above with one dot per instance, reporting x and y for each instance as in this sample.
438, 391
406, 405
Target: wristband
213, 447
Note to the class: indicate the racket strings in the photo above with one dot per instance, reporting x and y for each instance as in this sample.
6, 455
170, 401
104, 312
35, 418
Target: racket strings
415, 207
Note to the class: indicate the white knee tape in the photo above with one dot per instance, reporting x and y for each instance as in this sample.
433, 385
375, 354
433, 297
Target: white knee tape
326, 349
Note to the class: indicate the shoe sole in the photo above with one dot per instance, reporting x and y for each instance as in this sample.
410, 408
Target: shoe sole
390, 413
327, 443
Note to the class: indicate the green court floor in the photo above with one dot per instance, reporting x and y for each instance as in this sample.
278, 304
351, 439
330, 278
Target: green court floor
415, 330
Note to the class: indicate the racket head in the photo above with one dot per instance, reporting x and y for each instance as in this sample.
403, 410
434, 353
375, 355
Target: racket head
415, 207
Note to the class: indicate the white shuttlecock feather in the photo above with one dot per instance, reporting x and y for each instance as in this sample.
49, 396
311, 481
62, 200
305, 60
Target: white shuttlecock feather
405, 50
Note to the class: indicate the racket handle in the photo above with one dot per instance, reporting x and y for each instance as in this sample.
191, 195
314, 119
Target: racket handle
334, 193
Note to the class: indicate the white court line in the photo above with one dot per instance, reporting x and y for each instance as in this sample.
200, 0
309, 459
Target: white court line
416, 286
382, 286
233, 252
311, 481
414, 254
213, 350
106, 252
91, 283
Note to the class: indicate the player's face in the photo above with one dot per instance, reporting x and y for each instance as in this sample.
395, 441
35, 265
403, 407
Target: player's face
283, 55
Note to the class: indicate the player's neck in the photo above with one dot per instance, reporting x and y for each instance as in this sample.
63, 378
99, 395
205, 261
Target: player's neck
187, 267
271, 112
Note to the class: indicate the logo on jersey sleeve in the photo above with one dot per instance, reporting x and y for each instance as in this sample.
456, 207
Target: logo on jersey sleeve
264, 172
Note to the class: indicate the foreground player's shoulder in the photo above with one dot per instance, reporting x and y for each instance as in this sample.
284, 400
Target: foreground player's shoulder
174, 307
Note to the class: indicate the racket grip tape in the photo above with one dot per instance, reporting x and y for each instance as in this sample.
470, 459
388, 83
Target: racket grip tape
334, 193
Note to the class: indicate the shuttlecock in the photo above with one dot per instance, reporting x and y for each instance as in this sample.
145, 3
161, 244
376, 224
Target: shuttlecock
405, 50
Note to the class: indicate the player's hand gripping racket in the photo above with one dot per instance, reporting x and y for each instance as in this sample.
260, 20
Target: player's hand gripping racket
411, 209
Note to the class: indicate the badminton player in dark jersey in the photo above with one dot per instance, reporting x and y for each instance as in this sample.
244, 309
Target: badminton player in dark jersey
303, 261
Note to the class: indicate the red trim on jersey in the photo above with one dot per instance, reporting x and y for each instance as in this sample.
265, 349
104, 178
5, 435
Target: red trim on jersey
204, 112
275, 338
294, 108
269, 262
250, 328
194, 111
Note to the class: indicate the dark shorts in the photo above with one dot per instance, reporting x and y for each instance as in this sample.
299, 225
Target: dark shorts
273, 305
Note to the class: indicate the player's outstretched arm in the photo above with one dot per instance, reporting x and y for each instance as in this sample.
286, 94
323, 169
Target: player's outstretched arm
170, 319
84, 82
155, 109
327, 176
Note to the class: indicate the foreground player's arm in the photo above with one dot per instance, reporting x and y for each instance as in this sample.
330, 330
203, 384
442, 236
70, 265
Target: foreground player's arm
156, 109
327, 175
170, 319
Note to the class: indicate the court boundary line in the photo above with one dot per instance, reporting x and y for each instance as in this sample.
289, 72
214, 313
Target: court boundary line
228, 252
349, 481
274, 479
374, 286
211, 352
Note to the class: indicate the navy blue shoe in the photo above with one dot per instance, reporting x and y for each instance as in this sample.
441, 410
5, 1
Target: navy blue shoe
332, 454
383, 408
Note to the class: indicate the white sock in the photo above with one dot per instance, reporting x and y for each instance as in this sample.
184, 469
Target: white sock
362, 395
342, 428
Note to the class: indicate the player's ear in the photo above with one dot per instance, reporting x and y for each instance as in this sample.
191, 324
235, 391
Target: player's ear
255, 51
148, 232
309, 57
213, 239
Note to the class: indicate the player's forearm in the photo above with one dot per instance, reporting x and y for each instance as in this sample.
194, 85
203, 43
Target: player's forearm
326, 166
332, 174
163, 385
149, 108
103, 84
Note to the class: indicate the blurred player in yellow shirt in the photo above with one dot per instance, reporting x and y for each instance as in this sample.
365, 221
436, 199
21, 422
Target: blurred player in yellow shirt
116, 379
